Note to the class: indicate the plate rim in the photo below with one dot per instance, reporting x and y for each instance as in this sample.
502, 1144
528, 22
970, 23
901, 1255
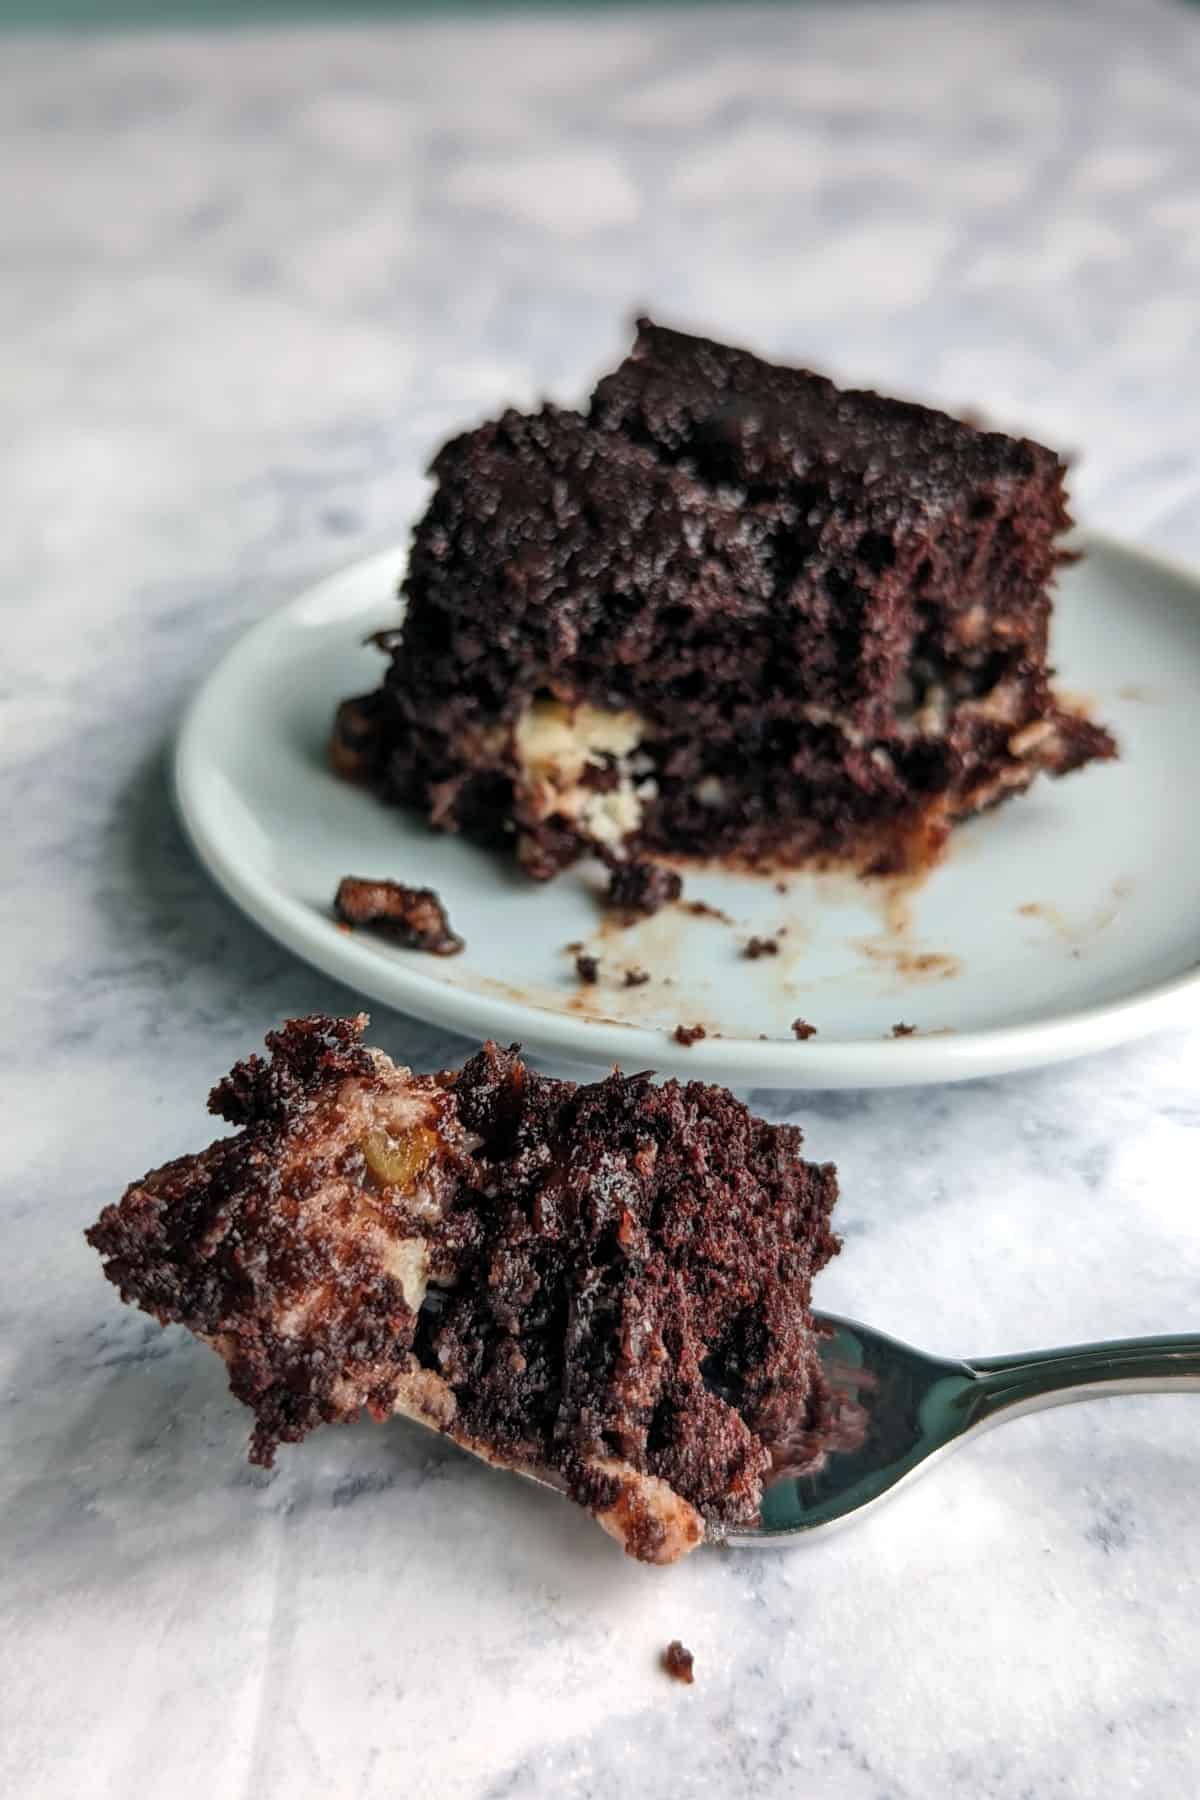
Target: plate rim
835, 1063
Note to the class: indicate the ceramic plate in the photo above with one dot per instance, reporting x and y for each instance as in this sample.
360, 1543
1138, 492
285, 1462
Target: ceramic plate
1062, 923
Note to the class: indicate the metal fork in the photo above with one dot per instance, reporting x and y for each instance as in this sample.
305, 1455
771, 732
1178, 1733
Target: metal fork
899, 1410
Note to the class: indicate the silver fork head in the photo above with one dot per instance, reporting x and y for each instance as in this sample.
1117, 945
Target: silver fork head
898, 1410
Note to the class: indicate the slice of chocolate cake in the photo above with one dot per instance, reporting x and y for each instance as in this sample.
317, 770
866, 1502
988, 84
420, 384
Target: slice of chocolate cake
734, 611
606, 1287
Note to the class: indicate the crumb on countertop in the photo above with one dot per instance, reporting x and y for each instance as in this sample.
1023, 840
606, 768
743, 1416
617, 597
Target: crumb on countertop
687, 1035
903, 1030
414, 917
679, 1662
636, 977
761, 946
803, 1030
587, 968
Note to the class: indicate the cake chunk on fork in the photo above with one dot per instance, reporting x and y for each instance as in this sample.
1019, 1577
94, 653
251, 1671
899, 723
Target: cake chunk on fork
603, 1286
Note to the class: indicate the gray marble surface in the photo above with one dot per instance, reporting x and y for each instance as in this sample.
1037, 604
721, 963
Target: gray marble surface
248, 281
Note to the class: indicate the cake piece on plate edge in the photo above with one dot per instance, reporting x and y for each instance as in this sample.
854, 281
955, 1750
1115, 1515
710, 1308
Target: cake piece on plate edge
606, 1286
731, 611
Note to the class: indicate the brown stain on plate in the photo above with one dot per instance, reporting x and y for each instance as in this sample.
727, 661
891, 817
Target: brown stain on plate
620, 940
893, 946
892, 897
700, 909
794, 945
1077, 931
636, 931
650, 942
909, 964
584, 1007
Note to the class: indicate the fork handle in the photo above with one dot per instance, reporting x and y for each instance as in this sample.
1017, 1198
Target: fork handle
1005, 1386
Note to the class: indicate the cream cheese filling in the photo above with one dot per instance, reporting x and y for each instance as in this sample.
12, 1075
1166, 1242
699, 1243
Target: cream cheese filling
555, 744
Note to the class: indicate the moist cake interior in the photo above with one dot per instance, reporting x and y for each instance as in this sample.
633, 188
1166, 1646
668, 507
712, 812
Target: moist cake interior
605, 1285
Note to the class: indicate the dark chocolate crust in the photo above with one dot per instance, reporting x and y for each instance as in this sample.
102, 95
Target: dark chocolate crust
614, 1275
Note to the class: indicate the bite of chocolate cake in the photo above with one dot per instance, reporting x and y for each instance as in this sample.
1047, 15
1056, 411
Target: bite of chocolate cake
730, 610
604, 1286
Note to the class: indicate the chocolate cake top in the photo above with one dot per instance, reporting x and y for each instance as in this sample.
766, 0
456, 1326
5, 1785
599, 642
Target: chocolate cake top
553, 510
734, 417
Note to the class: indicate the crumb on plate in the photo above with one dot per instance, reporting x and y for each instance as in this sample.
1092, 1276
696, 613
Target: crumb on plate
412, 916
642, 887
761, 946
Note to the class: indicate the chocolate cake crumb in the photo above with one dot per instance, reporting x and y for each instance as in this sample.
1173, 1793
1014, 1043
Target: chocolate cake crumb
902, 1030
636, 977
642, 887
414, 917
573, 947
605, 1285
679, 1662
687, 1035
761, 946
587, 968
803, 1029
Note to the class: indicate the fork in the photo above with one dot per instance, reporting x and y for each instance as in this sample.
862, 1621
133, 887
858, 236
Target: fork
899, 1409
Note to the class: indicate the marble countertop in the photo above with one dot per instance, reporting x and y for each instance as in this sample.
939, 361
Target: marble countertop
250, 279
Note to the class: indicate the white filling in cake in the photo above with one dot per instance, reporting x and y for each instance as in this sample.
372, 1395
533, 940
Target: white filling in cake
556, 743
